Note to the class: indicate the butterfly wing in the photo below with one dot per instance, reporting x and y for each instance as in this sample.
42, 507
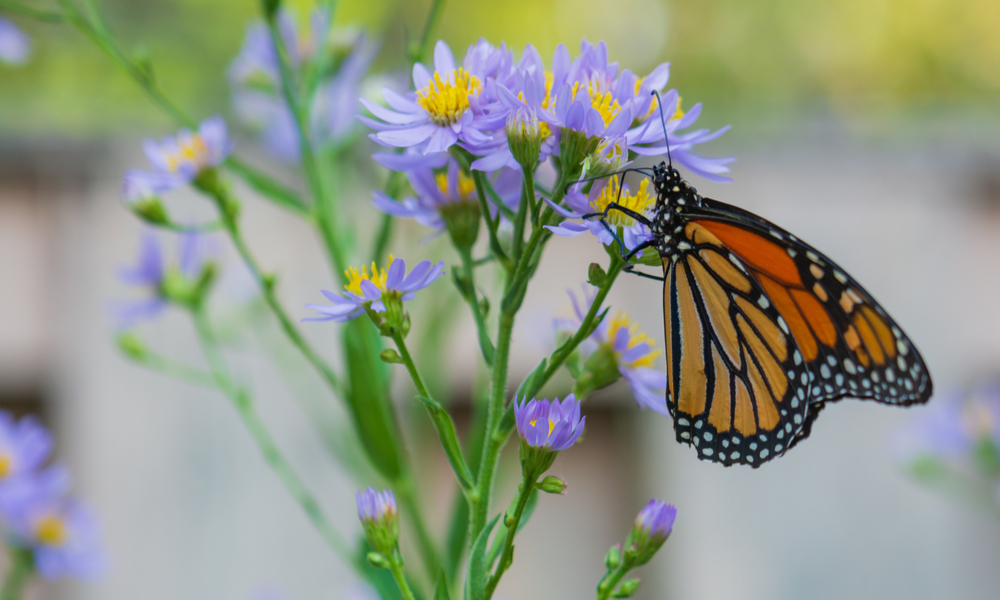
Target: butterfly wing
762, 330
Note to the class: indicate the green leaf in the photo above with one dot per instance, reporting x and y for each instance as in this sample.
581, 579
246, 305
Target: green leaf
441, 588
650, 257
475, 583
368, 397
501, 539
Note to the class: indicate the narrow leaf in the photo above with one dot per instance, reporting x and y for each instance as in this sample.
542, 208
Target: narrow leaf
475, 584
441, 588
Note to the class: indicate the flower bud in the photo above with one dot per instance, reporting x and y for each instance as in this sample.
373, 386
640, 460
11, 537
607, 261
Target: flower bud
651, 529
552, 485
131, 346
613, 558
377, 560
574, 148
462, 221
390, 356
380, 519
524, 135
546, 428
599, 371
627, 589
596, 275
151, 210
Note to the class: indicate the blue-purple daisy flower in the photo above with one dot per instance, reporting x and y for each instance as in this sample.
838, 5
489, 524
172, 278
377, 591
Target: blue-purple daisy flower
178, 159
62, 534
25, 446
550, 425
451, 104
374, 290
15, 45
641, 201
379, 518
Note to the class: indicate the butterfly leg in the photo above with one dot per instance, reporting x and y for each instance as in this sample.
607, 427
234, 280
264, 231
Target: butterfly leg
622, 172
614, 205
630, 268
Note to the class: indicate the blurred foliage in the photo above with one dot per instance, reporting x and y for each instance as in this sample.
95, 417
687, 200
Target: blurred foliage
763, 56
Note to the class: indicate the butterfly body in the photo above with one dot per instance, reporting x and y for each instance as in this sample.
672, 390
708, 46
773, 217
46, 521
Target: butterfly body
761, 330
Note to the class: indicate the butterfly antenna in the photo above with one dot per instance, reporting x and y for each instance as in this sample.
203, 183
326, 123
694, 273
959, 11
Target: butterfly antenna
663, 121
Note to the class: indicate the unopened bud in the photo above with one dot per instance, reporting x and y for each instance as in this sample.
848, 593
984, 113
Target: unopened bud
131, 346
380, 520
651, 529
613, 558
150, 210
524, 135
552, 485
378, 560
627, 589
390, 356
596, 275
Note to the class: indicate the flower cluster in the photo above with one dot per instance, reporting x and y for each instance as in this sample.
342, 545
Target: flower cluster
159, 283
513, 114
255, 78
38, 514
15, 45
958, 434
616, 349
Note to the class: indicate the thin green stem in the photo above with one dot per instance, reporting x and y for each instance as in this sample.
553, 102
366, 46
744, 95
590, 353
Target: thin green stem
326, 206
479, 178
44, 16
174, 369
442, 420
396, 567
610, 580
514, 521
469, 273
226, 205
529, 193
243, 403
22, 566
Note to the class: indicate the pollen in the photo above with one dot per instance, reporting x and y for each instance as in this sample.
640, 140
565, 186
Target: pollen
552, 424
192, 150
639, 202
51, 530
636, 337
355, 277
604, 103
466, 186
446, 100
652, 105
6, 465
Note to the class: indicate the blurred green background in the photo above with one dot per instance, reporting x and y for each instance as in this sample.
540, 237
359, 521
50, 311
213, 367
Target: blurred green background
898, 64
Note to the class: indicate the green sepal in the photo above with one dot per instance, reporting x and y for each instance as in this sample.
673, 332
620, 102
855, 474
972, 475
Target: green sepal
368, 397
475, 583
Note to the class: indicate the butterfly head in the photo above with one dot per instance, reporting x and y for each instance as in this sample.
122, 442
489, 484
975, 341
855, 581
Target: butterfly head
671, 189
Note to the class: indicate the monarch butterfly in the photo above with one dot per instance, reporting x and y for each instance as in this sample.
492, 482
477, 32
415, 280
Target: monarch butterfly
761, 329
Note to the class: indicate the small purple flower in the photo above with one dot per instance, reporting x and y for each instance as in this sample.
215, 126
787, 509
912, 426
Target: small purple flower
178, 160
550, 425
651, 529
619, 342
391, 285
578, 205
380, 519
150, 275
24, 446
15, 45
61, 532
450, 105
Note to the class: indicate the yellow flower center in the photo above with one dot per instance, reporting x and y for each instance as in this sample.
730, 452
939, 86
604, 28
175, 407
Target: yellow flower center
466, 185
639, 202
446, 100
604, 103
6, 465
552, 424
191, 151
51, 530
636, 337
355, 277
652, 105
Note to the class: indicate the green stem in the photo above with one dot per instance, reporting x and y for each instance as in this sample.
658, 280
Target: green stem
469, 272
507, 556
529, 193
177, 370
226, 205
22, 566
442, 420
396, 567
326, 206
479, 178
610, 580
44, 16
243, 403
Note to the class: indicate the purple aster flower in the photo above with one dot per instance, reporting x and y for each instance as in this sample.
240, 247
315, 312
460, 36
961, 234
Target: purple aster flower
24, 446
617, 343
150, 275
600, 196
178, 160
553, 426
439, 193
15, 45
450, 105
62, 533
375, 291
651, 529
380, 518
